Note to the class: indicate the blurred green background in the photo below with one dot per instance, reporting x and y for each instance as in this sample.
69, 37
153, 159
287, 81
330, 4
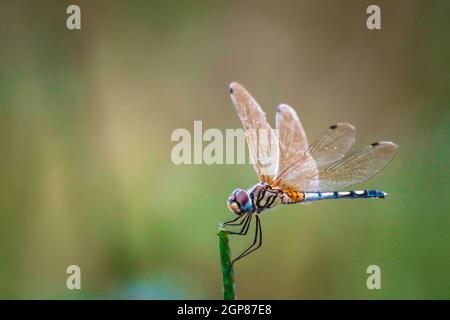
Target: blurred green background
85, 124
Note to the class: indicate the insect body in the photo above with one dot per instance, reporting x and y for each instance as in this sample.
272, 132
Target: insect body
262, 197
292, 171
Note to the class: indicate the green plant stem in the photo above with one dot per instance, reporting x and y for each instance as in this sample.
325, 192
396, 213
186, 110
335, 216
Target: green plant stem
227, 268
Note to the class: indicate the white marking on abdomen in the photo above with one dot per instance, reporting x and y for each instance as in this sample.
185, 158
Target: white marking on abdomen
327, 194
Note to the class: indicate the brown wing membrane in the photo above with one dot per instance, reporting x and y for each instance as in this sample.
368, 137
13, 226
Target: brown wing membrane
332, 144
261, 139
296, 163
357, 167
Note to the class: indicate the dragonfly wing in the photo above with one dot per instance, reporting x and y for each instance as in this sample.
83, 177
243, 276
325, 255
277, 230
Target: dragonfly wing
296, 163
261, 139
357, 167
332, 144
292, 138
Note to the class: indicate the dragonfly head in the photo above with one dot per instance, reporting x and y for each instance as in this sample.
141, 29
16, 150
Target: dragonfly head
239, 202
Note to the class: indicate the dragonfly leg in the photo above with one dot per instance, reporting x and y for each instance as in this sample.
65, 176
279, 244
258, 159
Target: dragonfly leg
230, 223
245, 228
252, 248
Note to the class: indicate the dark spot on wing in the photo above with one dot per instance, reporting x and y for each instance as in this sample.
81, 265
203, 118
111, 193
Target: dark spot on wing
334, 126
231, 90
374, 144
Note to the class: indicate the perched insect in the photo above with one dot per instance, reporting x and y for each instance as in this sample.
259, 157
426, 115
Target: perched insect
291, 171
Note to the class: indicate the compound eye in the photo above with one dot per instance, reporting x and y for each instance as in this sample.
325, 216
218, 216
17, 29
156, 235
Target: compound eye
235, 192
242, 197
232, 196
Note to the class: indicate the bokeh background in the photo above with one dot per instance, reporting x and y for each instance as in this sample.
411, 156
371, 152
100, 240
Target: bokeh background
86, 118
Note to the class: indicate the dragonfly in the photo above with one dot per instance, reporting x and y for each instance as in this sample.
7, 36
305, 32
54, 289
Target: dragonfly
292, 171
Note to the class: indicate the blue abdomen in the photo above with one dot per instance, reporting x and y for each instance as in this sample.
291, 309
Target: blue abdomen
354, 194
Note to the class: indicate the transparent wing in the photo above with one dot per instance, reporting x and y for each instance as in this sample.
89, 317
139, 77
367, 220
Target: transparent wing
296, 163
332, 144
261, 139
357, 167
292, 138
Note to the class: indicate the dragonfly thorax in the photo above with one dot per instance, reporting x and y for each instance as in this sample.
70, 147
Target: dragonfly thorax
265, 197
261, 197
